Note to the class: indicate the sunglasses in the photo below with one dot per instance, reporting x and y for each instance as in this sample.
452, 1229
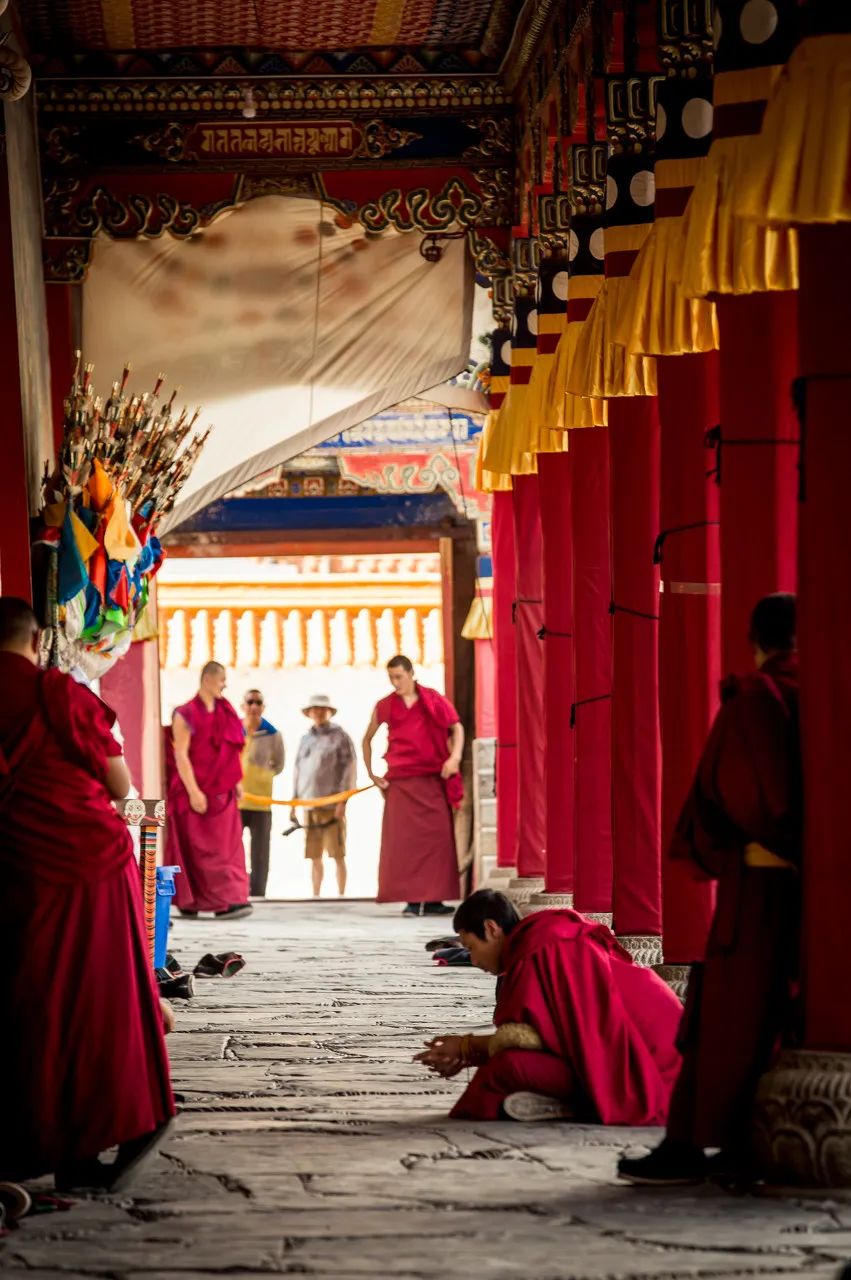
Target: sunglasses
254, 702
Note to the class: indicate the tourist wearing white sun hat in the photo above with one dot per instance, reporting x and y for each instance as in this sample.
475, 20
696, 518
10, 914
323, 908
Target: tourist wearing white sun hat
325, 765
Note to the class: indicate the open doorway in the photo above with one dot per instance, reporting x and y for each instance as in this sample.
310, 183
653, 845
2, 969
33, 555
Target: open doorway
295, 626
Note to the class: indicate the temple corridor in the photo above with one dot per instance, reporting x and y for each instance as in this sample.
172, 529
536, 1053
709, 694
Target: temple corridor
310, 1144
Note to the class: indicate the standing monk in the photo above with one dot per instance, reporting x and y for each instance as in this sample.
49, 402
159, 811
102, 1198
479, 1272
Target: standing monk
741, 826
422, 785
204, 788
84, 1065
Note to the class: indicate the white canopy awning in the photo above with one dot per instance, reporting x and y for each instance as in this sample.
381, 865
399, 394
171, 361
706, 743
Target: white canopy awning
284, 326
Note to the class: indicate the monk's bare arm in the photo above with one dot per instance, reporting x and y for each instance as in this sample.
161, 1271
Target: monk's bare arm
117, 777
182, 740
372, 730
456, 750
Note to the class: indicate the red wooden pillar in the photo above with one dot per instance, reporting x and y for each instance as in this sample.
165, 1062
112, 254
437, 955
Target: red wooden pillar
823, 625
15, 579
504, 575
689, 627
636, 742
591, 712
758, 472
528, 615
554, 482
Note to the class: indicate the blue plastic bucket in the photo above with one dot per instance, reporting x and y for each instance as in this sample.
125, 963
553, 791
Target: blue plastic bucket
165, 893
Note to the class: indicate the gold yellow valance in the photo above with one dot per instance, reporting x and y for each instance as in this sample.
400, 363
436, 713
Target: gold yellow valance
800, 173
723, 252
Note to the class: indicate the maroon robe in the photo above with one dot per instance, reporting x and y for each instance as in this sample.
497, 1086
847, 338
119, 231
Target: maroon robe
84, 1064
747, 790
607, 1025
418, 862
208, 846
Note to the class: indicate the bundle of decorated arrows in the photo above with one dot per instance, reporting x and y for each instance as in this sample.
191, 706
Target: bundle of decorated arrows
122, 465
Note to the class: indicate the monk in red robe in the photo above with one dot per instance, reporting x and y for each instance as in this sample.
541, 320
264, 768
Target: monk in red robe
204, 788
582, 1033
84, 1064
418, 863
741, 826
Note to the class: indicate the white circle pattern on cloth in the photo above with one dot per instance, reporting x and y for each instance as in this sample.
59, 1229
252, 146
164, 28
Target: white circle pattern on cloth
697, 117
560, 284
642, 187
758, 21
597, 243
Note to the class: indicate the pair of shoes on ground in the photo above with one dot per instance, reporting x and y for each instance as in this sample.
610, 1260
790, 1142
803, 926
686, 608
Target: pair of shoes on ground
454, 957
236, 912
173, 982
427, 909
223, 965
678, 1164
118, 1177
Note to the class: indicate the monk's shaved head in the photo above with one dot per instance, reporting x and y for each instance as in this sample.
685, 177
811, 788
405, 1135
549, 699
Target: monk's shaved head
18, 623
773, 623
212, 669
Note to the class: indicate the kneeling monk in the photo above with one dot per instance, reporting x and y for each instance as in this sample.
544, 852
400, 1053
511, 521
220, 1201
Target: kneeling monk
85, 1066
582, 1032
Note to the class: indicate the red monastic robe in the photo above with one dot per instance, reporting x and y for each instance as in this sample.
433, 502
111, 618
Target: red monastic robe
747, 792
84, 1064
418, 862
607, 1025
208, 846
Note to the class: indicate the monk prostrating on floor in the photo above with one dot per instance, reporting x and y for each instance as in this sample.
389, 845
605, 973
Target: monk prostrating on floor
741, 826
204, 789
83, 1065
422, 785
582, 1032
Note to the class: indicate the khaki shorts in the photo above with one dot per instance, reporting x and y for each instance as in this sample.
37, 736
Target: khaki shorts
323, 835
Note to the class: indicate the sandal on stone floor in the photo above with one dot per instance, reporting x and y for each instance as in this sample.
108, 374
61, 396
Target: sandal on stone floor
223, 965
15, 1201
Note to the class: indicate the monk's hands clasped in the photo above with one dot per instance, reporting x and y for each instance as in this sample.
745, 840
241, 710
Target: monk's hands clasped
442, 1055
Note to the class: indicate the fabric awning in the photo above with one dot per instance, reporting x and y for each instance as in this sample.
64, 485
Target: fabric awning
285, 326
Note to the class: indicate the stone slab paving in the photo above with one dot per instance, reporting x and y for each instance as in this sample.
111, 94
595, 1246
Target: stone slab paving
309, 1144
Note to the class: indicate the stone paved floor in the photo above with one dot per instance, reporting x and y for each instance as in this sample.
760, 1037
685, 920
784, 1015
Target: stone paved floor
309, 1144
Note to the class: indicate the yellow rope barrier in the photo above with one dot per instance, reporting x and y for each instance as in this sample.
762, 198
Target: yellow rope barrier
319, 802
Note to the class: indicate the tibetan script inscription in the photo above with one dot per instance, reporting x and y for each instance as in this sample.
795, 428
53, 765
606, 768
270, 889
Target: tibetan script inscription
334, 139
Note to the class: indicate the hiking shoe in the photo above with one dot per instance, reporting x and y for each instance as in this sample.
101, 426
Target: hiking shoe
190, 915
438, 944
437, 909
236, 912
671, 1164
412, 909
528, 1107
